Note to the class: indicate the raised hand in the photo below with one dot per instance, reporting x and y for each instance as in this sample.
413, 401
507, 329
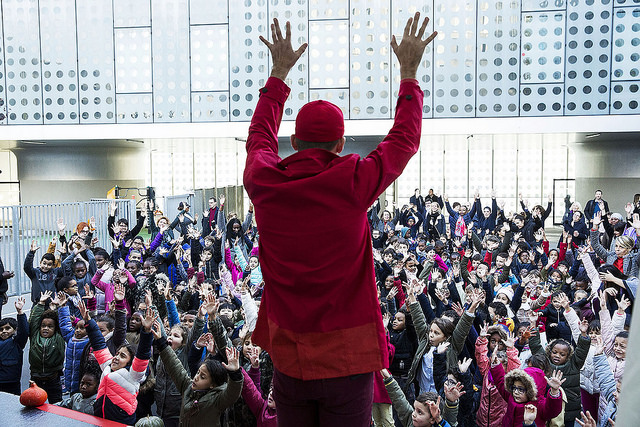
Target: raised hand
34, 246
88, 293
119, 292
599, 345
510, 342
44, 296
457, 308
623, 304
19, 304
392, 293
434, 408
597, 219
149, 318
233, 362
484, 330
584, 327
282, 54
464, 364
62, 299
530, 413
84, 313
587, 420
410, 50
555, 381
254, 357
148, 298
61, 226
453, 392
156, 330
442, 347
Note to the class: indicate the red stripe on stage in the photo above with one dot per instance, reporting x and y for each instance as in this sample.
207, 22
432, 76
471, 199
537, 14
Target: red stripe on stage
79, 416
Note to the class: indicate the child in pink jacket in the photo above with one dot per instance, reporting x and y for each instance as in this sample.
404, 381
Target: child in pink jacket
492, 406
121, 276
520, 388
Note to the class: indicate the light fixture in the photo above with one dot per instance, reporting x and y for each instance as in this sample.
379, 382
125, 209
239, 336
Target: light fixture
592, 135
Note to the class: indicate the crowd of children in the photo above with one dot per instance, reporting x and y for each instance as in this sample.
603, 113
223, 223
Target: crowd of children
489, 323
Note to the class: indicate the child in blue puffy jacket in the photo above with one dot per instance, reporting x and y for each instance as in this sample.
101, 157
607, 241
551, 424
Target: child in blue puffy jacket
76, 339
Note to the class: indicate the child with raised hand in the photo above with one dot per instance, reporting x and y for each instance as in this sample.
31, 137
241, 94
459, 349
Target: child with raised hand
562, 357
76, 339
122, 373
609, 387
441, 329
46, 352
493, 340
13, 337
83, 400
213, 388
428, 409
263, 409
69, 287
120, 276
614, 336
180, 339
42, 277
520, 388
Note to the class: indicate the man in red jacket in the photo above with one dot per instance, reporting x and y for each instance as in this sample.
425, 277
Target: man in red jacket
319, 317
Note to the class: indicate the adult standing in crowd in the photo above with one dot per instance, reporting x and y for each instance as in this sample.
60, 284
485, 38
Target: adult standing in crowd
598, 204
319, 317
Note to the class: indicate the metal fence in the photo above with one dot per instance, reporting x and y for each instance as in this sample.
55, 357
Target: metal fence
20, 225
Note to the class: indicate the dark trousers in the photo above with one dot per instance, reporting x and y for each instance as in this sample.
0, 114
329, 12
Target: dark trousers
52, 386
13, 388
344, 401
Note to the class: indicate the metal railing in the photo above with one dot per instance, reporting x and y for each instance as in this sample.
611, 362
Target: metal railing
20, 225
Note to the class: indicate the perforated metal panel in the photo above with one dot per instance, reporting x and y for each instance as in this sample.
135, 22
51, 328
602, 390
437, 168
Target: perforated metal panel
530, 5
134, 108
133, 60
403, 10
328, 41
3, 82
96, 77
328, 9
210, 106
543, 47
340, 97
626, 43
208, 12
209, 58
541, 100
59, 61
171, 70
624, 98
128, 13
248, 57
294, 11
22, 55
588, 57
498, 62
370, 59
455, 59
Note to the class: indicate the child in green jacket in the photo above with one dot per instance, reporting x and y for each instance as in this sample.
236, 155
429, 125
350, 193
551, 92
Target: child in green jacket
46, 353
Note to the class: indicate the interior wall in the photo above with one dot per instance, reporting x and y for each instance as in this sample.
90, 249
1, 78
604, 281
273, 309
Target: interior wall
610, 166
63, 174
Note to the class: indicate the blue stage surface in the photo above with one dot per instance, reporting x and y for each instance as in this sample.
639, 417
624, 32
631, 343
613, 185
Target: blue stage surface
13, 414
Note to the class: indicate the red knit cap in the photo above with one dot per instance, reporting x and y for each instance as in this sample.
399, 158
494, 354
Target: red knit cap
319, 121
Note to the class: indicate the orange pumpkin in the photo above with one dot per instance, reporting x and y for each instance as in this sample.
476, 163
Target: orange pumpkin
33, 396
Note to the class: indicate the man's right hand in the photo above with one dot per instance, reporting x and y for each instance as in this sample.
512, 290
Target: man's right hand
282, 54
410, 50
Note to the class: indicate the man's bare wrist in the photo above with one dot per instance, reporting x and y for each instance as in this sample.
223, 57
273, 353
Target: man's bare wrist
279, 73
